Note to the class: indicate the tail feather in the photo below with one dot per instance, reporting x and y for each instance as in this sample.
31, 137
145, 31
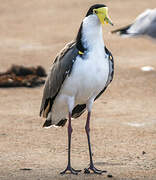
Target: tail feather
122, 31
77, 111
47, 123
62, 122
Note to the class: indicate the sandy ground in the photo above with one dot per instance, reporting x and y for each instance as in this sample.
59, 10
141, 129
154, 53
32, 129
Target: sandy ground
123, 120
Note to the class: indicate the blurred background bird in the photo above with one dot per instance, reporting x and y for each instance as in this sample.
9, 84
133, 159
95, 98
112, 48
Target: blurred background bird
144, 25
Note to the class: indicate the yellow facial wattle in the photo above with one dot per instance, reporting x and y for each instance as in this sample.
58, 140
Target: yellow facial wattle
102, 14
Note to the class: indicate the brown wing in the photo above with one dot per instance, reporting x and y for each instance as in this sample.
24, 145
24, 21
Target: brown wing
61, 67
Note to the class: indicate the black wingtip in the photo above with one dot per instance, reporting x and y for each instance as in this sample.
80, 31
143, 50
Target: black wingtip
47, 123
62, 122
122, 30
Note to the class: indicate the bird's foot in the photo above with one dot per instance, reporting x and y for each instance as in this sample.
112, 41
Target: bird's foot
94, 170
70, 170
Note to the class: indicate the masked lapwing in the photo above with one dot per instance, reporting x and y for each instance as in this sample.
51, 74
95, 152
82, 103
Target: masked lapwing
144, 25
79, 75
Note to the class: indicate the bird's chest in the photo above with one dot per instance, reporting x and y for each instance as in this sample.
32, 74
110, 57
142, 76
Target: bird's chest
91, 71
89, 75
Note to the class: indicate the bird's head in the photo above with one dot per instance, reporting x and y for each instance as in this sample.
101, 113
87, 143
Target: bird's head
101, 11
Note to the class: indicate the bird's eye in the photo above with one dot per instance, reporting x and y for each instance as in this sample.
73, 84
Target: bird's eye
95, 11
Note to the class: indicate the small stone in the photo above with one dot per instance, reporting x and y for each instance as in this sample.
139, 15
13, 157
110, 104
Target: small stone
143, 152
109, 176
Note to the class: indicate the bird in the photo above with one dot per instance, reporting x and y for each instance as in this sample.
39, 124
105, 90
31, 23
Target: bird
79, 75
144, 25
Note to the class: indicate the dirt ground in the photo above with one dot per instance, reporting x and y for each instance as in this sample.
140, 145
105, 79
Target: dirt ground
123, 125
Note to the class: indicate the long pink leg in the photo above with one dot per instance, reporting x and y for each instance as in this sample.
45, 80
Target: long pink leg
91, 167
69, 168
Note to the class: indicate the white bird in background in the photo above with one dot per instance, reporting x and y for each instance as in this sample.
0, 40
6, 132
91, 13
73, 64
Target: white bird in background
79, 75
144, 25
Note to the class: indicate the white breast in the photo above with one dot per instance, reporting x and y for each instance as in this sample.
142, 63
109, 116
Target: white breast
88, 77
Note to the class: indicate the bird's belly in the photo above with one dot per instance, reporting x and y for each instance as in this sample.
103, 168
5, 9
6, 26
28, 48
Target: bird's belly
89, 86
87, 80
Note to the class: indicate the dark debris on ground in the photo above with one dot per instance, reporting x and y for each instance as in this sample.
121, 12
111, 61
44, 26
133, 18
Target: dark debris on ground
21, 76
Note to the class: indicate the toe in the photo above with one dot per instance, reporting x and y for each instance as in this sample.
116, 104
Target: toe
94, 170
70, 170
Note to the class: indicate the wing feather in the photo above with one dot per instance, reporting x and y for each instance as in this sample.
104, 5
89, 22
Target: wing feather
61, 67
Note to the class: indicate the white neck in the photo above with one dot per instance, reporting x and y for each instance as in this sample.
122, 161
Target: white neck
92, 32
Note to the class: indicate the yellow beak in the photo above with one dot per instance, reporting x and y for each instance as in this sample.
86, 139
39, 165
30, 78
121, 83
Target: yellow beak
102, 14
